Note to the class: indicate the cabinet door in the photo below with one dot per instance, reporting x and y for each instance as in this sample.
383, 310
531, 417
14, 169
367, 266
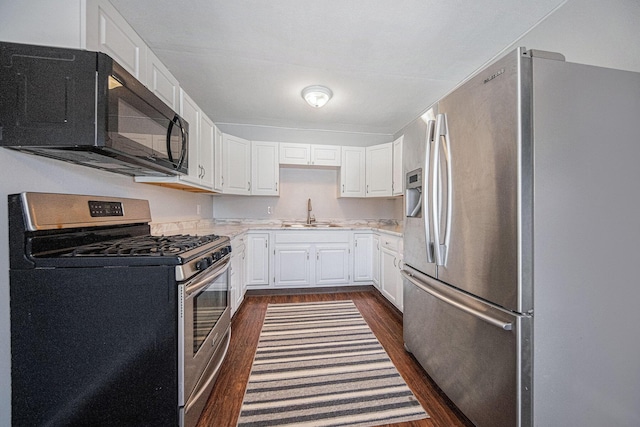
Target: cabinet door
375, 261
236, 157
190, 111
292, 265
294, 154
388, 273
352, 172
379, 170
161, 82
399, 284
205, 151
326, 155
265, 169
398, 174
257, 260
362, 257
109, 32
218, 181
234, 282
332, 264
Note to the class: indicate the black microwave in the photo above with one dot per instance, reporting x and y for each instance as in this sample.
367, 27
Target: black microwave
83, 107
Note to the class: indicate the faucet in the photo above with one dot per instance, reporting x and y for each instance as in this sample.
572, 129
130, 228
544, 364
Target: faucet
310, 219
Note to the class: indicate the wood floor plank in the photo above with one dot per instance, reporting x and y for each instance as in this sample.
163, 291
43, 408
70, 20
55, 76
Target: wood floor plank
223, 406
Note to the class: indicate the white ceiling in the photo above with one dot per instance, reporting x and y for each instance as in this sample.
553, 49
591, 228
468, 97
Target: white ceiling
386, 61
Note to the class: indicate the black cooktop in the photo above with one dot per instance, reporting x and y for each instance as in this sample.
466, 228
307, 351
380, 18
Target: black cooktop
144, 246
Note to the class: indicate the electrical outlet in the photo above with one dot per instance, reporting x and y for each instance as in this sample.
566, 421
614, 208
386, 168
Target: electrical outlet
269, 210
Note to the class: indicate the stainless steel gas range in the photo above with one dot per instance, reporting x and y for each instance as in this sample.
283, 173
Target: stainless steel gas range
109, 324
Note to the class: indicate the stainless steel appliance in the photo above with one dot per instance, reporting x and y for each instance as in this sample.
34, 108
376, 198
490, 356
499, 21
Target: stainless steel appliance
111, 325
520, 234
83, 107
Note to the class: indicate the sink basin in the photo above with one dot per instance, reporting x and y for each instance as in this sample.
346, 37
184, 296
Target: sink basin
313, 225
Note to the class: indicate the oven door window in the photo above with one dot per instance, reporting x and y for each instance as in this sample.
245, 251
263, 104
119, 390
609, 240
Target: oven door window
208, 307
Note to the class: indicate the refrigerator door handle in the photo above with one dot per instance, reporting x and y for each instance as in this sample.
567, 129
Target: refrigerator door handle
507, 326
441, 247
425, 193
447, 154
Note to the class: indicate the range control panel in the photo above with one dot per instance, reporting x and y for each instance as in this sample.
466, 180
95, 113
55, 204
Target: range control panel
101, 208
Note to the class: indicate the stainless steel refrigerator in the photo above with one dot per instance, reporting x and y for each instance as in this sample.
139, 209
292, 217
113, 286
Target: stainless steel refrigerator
522, 243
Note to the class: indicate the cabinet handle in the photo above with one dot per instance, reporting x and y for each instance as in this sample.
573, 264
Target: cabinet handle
276, 186
204, 172
317, 257
307, 254
367, 188
249, 184
343, 188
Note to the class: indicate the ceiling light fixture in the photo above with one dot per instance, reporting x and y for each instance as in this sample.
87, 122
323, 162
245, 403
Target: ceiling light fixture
317, 96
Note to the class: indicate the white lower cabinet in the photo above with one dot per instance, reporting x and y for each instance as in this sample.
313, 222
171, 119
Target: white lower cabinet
375, 261
362, 257
332, 264
390, 266
257, 268
292, 265
237, 284
315, 258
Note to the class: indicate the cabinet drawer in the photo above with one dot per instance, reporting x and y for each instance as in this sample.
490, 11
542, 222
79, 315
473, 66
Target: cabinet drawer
390, 242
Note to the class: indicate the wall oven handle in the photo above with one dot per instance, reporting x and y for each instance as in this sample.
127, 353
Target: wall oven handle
507, 326
204, 280
205, 386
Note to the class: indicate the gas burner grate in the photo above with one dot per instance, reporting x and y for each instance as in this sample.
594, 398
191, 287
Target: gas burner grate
144, 246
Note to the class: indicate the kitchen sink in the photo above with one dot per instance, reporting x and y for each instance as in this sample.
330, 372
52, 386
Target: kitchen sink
313, 225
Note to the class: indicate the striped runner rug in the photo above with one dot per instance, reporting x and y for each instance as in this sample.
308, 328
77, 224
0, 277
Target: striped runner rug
319, 364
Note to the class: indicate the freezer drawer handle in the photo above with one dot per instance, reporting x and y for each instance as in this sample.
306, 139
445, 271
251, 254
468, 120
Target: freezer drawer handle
482, 316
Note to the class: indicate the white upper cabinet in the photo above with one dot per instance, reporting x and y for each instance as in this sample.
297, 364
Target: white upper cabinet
190, 111
326, 155
310, 154
217, 160
398, 174
265, 170
352, 172
236, 165
379, 170
108, 32
161, 82
205, 151
294, 154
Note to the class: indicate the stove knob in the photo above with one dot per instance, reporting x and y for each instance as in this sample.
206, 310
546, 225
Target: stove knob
216, 256
204, 263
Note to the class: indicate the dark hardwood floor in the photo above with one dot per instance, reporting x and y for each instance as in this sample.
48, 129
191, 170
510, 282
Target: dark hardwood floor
225, 401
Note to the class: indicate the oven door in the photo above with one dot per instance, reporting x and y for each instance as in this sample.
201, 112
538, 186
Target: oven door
204, 320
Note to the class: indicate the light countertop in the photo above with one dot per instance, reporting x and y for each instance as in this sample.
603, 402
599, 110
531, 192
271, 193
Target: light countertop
233, 228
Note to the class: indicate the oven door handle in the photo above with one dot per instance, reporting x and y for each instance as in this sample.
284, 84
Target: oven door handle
206, 279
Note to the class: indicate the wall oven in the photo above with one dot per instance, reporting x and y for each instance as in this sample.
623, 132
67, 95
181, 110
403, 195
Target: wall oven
111, 325
83, 107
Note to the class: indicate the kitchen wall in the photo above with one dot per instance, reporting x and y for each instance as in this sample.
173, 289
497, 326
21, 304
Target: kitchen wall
587, 31
297, 185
